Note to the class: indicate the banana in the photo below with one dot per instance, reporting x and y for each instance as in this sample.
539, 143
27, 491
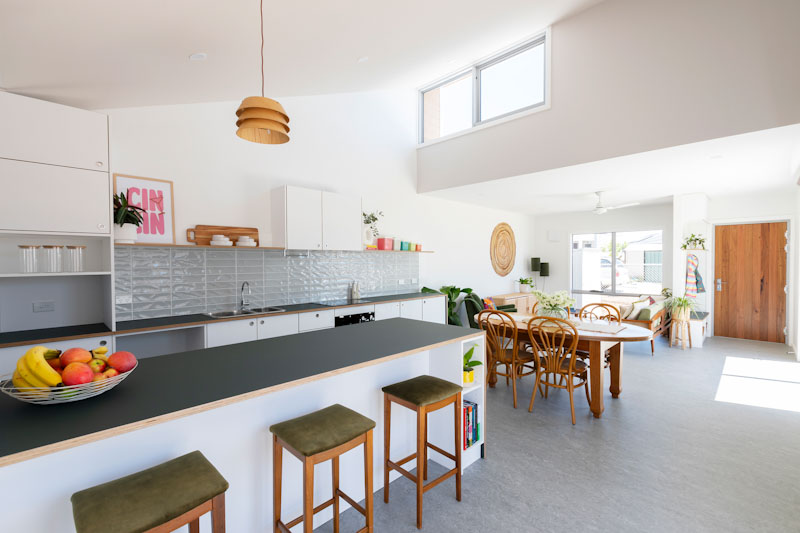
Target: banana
51, 354
18, 382
35, 359
27, 375
101, 353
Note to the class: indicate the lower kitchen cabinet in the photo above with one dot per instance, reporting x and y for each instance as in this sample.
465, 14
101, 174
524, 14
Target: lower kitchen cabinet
9, 356
387, 310
411, 309
316, 320
277, 326
434, 310
231, 332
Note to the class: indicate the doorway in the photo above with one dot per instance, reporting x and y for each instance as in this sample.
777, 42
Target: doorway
750, 281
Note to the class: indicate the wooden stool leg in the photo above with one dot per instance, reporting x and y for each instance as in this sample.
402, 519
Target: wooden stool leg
387, 425
368, 496
308, 496
335, 469
277, 474
422, 419
218, 514
671, 333
456, 410
689, 329
425, 458
194, 526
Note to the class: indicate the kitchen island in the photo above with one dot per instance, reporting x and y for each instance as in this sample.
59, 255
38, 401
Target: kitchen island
222, 401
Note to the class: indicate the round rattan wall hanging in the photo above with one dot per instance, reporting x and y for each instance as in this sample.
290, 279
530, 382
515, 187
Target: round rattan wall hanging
503, 249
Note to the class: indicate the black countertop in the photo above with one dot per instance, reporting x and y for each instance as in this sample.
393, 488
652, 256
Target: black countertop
407, 296
32, 335
171, 383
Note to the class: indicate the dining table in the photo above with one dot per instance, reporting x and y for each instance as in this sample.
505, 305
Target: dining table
597, 344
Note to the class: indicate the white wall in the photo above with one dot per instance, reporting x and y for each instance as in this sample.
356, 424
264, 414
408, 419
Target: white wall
630, 76
564, 225
358, 143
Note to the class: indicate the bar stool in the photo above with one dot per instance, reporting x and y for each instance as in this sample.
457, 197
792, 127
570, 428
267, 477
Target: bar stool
423, 394
315, 438
157, 500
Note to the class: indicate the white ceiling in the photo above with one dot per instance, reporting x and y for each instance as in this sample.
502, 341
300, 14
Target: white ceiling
764, 160
106, 53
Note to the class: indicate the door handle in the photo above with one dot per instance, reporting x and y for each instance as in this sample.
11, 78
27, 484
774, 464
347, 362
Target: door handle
719, 284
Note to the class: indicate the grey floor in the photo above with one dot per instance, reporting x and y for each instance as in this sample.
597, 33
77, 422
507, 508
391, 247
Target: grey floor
665, 457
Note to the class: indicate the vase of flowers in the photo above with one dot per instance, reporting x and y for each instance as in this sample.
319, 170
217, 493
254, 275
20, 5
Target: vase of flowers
370, 221
554, 305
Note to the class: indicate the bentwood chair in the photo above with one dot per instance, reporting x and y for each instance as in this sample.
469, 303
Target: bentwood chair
598, 311
556, 340
503, 348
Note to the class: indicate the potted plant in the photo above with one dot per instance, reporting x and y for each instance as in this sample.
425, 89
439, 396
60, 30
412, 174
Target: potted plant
555, 304
525, 284
469, 365
371, 225
452, 293
680, 307
694, 242
127, 219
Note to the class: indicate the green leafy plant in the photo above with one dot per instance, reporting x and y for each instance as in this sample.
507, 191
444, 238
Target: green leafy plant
666, 291
125, 213
525, 281
469, 364
554, 302
681, 306
452, 293
371, 220
694, 242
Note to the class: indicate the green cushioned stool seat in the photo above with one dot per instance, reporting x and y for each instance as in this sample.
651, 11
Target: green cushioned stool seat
149, 498
422, 390
322, 430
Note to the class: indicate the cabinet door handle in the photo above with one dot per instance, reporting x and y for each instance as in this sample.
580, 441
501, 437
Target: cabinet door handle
99, 163
262, 322
252, 323
101, 226
317, 315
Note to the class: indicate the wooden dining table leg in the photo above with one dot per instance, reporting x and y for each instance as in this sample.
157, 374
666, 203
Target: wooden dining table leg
615, 366
596, 371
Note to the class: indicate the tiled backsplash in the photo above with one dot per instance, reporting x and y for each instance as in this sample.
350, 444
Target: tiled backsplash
160, 281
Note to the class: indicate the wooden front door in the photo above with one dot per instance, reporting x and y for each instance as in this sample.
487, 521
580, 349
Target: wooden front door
749, 281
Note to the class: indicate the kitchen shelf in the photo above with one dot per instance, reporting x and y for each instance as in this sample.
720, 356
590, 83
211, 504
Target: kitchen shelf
163, 245
50, 274
402, 251
473, 387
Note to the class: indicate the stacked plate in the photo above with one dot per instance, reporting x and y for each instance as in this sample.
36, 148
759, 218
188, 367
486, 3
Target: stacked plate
262, 120
220, 240
244, 240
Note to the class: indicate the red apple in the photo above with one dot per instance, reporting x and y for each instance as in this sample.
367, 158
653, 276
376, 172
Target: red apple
55, 363
110, 373
77, 374
99, 377
122, 361
97, 365
75, 355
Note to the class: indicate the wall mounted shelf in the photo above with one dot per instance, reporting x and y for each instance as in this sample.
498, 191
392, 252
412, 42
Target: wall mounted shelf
51, 274
278, 248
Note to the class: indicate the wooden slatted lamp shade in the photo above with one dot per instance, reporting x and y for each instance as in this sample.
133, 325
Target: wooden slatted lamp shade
262, 120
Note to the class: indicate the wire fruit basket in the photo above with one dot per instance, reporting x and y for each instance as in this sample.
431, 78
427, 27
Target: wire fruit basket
61, 394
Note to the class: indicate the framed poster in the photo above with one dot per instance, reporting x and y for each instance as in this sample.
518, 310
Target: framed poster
156, 198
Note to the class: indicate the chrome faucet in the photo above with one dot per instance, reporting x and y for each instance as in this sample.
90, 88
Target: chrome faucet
246, 292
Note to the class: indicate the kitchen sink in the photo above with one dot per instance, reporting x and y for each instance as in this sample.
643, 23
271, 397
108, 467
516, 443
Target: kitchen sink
262, 310
228, 314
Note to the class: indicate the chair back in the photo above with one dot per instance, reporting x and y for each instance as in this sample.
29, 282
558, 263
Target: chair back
600, 311
555, 340
473, 305
501, 332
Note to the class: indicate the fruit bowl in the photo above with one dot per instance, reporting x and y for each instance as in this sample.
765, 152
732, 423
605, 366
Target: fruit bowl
63, 393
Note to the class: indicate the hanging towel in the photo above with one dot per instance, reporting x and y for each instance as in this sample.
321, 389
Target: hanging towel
694, 282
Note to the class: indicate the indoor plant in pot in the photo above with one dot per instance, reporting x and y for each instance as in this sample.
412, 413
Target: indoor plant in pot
127, 219
370, 221
452, 293
555, 304
525, 284
680, 307
469, 365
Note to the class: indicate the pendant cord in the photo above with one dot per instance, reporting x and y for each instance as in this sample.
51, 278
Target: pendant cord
261, 17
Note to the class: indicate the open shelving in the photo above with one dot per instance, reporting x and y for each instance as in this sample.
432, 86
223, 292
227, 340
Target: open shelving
279, 248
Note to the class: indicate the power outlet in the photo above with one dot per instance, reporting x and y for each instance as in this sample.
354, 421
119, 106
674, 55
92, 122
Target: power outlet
44, 307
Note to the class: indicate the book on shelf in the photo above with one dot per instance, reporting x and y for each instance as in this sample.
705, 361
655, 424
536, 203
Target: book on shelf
471, 424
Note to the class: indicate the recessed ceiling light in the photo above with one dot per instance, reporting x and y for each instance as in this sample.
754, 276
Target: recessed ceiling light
199, 56
363, 59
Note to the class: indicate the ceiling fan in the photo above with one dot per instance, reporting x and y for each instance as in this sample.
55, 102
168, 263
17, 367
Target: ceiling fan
601, 209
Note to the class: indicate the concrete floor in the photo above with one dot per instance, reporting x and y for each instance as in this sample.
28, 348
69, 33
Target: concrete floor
665, 457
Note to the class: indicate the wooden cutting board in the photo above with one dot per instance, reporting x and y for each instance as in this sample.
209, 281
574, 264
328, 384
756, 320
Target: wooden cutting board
201, 235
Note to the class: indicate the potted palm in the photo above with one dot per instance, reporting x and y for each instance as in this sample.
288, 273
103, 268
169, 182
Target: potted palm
680, 307
469, 365
127, 219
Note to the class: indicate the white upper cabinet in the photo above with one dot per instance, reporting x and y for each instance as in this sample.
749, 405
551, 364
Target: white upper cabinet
308, 219
44, 132
341, 222
39, 197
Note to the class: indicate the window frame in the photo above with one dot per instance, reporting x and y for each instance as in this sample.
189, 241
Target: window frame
474, 70
614, 260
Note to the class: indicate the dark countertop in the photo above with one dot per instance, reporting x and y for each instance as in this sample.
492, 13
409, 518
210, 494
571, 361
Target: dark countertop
170, 383
14, 338
19, 338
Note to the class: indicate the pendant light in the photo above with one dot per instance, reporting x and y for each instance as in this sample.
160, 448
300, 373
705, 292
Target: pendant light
260, 119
